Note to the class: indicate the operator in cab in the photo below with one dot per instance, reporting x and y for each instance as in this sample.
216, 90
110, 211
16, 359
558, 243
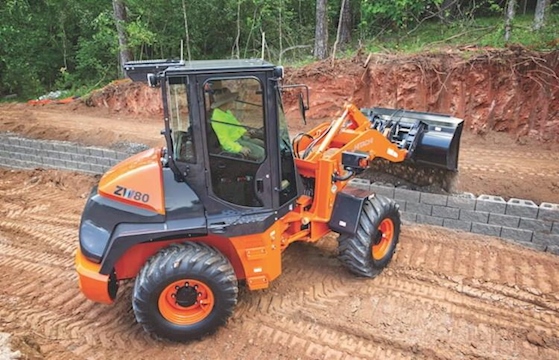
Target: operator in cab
232, 135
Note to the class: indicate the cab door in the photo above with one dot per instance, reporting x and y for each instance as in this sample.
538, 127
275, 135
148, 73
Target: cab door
239, 182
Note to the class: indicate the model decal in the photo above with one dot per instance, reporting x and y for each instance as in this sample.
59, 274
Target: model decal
131, 194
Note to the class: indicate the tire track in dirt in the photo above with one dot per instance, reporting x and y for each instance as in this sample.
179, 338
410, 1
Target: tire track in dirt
490, 305
32, 235
446, 295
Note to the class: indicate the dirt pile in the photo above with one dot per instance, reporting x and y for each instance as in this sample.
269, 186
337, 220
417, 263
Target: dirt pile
129, 97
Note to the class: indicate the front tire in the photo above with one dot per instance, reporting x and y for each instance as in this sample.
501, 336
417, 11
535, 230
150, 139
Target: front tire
184, 292
370, 250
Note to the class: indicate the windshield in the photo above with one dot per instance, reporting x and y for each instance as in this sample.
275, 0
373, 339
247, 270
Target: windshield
179, 120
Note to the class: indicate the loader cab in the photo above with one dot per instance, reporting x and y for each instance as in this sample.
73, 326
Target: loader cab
227, 139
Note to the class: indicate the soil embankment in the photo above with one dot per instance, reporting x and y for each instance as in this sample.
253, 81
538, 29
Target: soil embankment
512, 90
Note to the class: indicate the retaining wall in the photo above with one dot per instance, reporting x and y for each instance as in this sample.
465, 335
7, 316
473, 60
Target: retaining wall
22, 153
518, 220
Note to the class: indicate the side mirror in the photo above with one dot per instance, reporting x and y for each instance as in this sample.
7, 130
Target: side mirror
302, 108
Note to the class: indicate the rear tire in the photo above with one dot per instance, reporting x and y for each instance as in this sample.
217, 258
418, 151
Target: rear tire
369, 251
184, 292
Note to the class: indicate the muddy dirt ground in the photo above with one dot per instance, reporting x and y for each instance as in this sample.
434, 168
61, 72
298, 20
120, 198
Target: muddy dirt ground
446, 295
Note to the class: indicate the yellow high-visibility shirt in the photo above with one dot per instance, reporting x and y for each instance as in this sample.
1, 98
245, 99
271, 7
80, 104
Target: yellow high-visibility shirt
228, 130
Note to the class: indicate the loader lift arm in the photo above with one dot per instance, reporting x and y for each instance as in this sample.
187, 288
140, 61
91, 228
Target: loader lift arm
330, 155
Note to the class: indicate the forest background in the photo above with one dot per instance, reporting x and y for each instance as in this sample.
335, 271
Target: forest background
76, 46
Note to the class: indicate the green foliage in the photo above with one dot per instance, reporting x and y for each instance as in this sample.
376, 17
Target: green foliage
394, 14
73, 46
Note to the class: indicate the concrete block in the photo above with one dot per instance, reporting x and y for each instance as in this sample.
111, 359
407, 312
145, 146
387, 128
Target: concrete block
417, 208
49, 161
59, 163
555, 228
401, 204
46, 145
37, 144
381, 189
445, 212
466, 201
102, 161
72, 165
430, 220
407, 195
52, 154
486, 229
406, 216
90, 159
545, 239
548, 211
13, 141
433, 199
98, 169
516, 234
457, 224
490, 203
84, 166
535, 225
110, 154
474, 216
360, 184
521, 207
95, 151
504, 220
554, 249
64, 156
28, 143
78, 158
122, 156
83, 150
28, 157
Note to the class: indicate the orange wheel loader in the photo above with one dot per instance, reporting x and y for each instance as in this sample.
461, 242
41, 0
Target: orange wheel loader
230, 191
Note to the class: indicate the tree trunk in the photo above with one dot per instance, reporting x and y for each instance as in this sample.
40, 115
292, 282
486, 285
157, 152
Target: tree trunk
346, 23
539, 17
119, 9
321, 32
509, 16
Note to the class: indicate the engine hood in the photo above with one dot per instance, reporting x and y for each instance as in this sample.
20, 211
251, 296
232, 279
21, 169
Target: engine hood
136, 181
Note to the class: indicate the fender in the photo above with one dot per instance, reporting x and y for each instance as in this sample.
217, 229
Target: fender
347, 209
126, 236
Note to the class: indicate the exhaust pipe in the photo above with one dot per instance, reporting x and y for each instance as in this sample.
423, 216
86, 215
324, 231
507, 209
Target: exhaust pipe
430, 139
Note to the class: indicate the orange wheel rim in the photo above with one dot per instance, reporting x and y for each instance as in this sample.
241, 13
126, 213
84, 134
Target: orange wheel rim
186, 302
386, 229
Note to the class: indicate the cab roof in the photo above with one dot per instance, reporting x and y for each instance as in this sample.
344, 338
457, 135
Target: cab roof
137, 70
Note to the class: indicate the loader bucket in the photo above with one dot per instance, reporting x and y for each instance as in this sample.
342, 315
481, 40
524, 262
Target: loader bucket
431, 139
